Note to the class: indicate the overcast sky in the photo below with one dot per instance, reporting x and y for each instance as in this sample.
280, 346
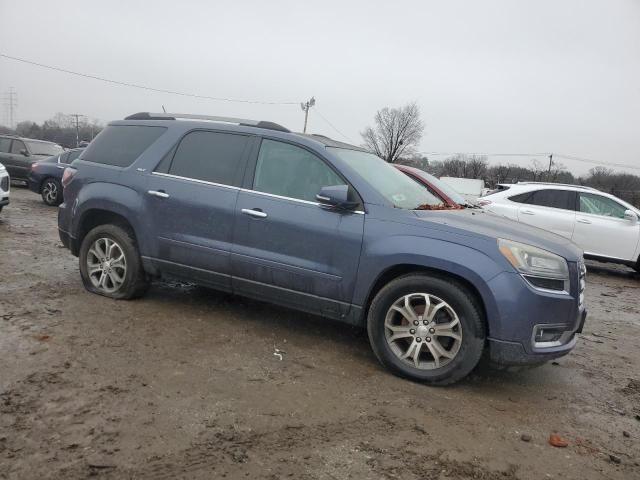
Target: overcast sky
523, 76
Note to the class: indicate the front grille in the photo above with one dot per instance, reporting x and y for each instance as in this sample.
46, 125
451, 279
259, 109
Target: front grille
4, 183
582, 282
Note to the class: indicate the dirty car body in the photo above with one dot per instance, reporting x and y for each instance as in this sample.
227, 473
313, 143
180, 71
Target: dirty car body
345, 241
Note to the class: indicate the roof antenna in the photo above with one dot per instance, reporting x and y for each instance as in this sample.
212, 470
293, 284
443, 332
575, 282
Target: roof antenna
163, 109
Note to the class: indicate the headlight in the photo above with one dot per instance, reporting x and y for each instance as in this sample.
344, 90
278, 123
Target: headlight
541, 268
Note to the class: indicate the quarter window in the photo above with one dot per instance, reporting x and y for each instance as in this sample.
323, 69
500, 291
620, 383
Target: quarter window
121, 145
210, 156
599, 205
564, 199
17, 147
291, 171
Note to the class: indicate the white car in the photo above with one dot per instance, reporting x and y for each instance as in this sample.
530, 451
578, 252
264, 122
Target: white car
4, 187
605, 227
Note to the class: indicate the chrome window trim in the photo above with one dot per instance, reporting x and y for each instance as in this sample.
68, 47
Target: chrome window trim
247, 190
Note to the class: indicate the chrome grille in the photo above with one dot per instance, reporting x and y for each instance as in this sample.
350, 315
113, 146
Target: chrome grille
582, 282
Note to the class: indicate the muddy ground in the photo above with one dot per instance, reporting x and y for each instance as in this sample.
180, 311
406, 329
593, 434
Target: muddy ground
184, 383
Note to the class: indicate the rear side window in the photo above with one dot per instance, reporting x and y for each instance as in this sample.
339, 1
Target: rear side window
5, 144
121, 145
18, 147
209, 156
563, 199
72, 156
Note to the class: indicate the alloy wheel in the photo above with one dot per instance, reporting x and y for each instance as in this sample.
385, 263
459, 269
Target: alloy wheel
423, 331
50, 192
106, 265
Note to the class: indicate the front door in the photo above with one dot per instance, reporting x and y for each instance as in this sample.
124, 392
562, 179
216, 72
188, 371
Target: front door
16, 160
602, 230
191, 202
288, 249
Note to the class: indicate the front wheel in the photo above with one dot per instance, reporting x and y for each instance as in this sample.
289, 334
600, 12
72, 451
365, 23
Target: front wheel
426, 328
51, 192
110, 264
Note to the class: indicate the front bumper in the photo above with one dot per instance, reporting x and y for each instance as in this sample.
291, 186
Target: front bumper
4, 200
505, 352
33, 183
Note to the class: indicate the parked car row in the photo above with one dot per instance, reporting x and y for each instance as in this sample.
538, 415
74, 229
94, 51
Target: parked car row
325, 227
604, 226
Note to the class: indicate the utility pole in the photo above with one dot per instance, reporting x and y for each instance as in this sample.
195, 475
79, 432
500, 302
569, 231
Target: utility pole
305, 107
11, 102
550, 162
77, 116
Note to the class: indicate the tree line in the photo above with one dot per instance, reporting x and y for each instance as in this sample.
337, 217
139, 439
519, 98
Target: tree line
397, 132
60, 129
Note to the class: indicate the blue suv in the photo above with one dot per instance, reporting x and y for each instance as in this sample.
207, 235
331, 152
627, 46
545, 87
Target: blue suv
304, 221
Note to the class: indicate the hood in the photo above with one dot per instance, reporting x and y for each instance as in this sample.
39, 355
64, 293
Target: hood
489, 225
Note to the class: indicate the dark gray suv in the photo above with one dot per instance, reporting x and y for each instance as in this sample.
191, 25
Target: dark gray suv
321, 226
17, 154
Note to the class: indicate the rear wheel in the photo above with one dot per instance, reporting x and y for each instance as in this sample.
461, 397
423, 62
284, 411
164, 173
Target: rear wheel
110, 264
51, 192
426, 328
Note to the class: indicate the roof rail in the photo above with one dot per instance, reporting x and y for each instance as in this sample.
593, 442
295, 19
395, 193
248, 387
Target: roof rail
208, 118
557, 184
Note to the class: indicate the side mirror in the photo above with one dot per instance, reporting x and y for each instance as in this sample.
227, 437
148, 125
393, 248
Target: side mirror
631, 216
336, 196
24, 152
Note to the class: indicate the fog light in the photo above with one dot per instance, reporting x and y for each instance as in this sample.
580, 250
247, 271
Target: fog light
548, 335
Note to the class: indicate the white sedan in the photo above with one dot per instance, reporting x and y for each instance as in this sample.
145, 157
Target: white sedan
605, 227
4, 187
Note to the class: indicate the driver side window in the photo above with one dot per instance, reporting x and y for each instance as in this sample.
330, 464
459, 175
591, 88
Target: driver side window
599, 205
290, 171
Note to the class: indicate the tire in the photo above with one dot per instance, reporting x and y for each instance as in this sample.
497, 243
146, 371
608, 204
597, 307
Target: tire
51, 192
464, 341
123, 274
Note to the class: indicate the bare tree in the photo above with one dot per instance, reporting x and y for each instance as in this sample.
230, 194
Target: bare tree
396, 133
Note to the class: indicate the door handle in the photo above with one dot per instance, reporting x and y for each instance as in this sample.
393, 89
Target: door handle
158, 193
254, 213
583, 220
527, 212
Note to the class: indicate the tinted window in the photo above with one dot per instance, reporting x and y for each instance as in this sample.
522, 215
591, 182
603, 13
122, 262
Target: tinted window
291, 171
213, 157
17, 146
548, 198
5, 144
120, 145
522, 198
71, 156
599, 205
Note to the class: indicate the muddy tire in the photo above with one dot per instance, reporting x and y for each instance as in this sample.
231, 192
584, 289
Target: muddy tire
110, 263
51, 192
426, 328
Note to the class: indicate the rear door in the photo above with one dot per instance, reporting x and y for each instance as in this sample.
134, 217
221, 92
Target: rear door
191, 201
549, 209
288, 249
602, 230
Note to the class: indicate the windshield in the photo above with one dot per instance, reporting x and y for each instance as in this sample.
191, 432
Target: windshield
444, 188
44, 148
395, 186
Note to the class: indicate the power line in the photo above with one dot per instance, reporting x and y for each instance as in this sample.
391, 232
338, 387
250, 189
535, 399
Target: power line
142, 87
332, 126
559, 155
